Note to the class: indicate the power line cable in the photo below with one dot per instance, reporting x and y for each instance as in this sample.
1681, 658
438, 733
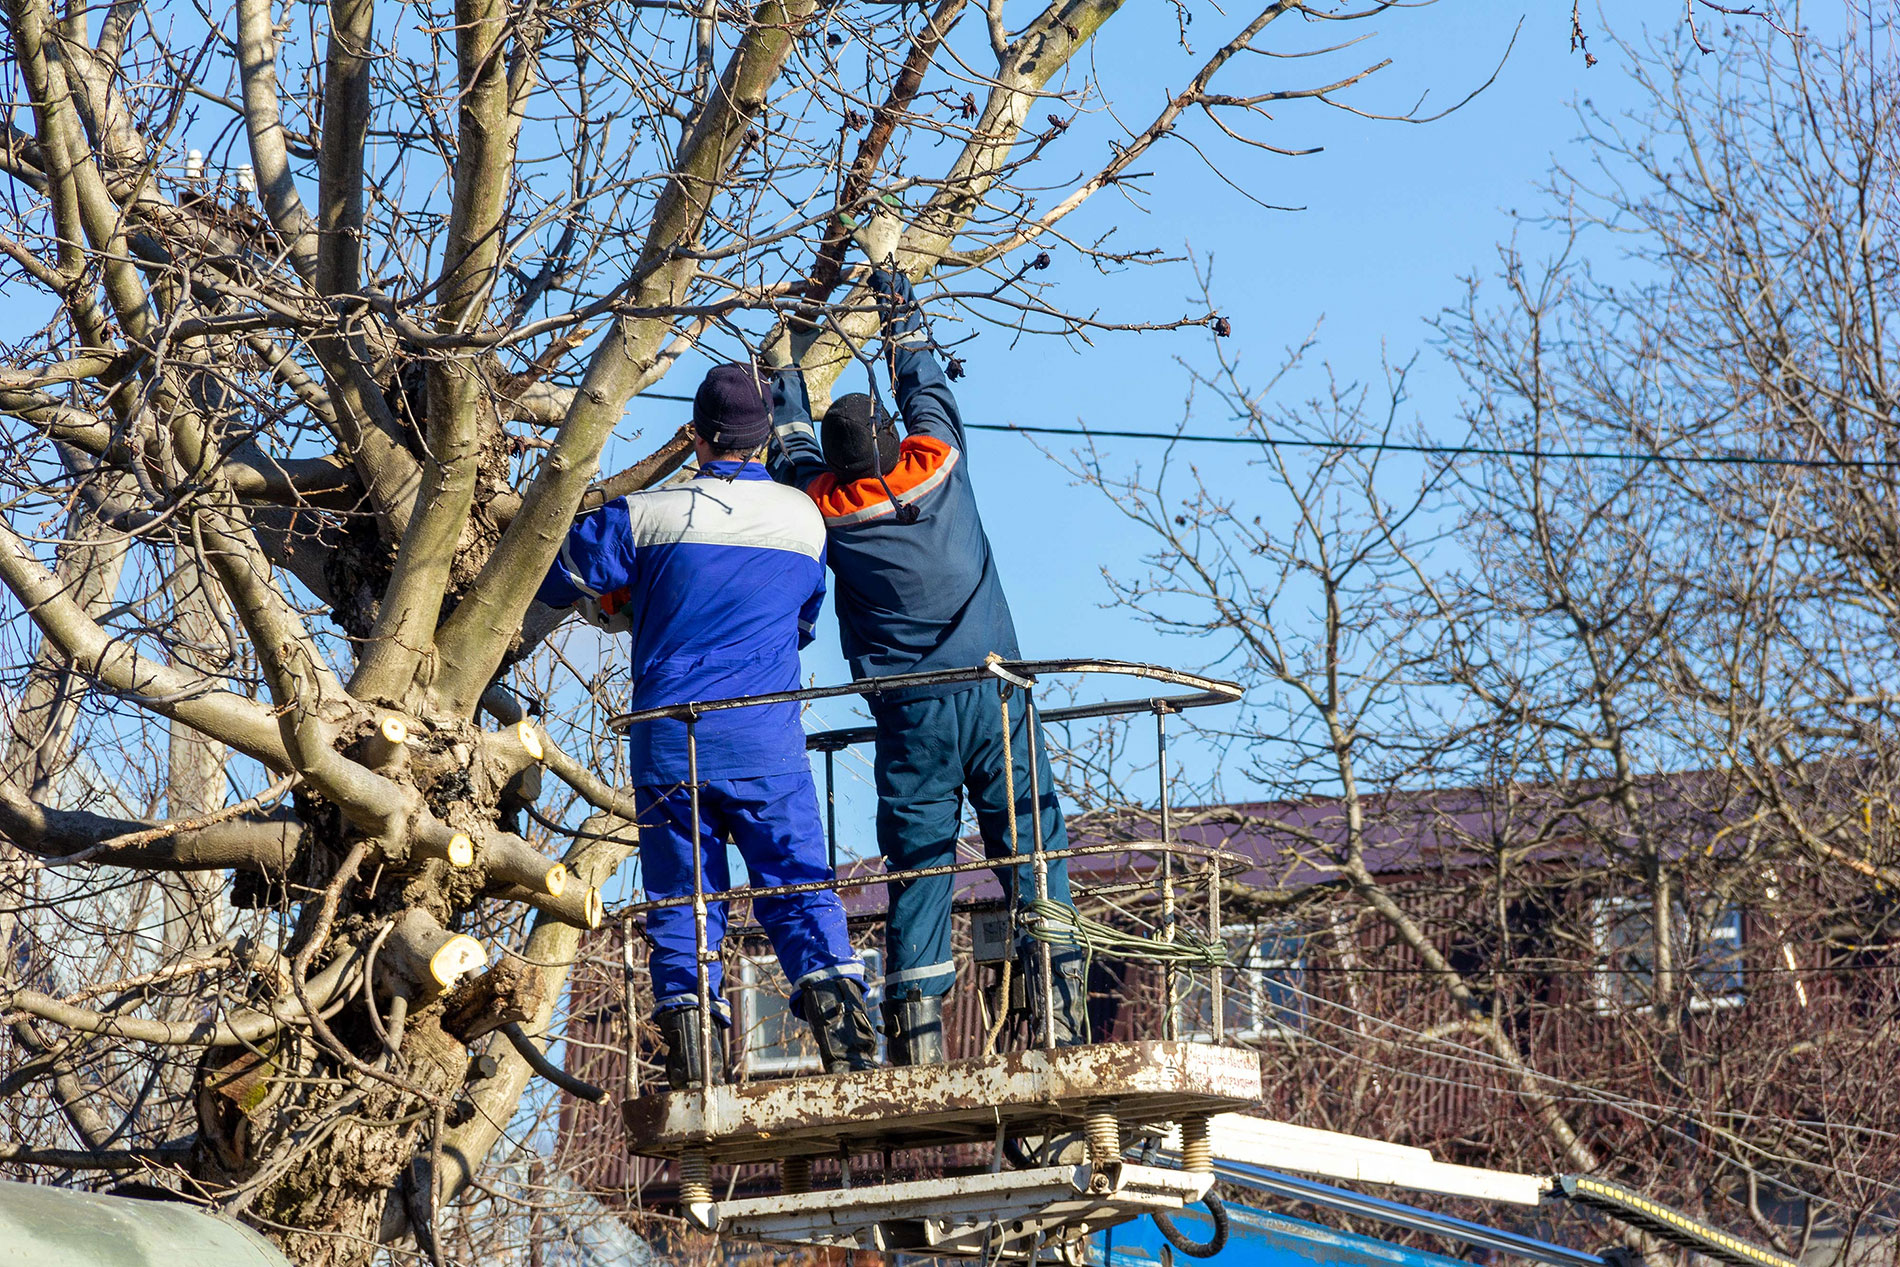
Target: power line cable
1446, 450
1428, 450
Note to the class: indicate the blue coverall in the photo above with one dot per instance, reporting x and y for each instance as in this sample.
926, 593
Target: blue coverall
913, 597
718, 580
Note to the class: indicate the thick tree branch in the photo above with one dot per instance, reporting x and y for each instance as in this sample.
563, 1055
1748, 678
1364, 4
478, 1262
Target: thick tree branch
264, 125
88, 568
240, 722
474, 639
266, 844
242, 1028
601, 846
1043, 48
85, 1159
73, 1098
460, 415
347, 72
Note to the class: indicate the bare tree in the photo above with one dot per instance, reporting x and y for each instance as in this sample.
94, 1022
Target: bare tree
1753, 337
1336, 624
1579, 739
1726, 579
339, 310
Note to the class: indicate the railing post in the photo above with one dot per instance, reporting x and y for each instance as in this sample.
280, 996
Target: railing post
626, 1004
1171, 1012
700, 937
831, 810
1014, 888
1217, 986
1039, 865
1032, 737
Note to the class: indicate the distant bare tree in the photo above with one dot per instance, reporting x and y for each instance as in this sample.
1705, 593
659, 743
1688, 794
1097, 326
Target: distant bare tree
1592, 725
1702, 630
1336, 625
1752, 330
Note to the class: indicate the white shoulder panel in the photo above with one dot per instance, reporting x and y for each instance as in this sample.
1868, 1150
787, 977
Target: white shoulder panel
755, 513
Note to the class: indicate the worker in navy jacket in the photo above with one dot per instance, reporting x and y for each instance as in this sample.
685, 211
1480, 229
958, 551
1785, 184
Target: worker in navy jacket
718, 579
917, 589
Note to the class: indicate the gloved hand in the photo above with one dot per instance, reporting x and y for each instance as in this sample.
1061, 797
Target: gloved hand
878, 233
776, 352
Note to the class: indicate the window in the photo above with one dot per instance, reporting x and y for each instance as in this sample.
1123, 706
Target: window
776, 1041
1263, 986
1712, 955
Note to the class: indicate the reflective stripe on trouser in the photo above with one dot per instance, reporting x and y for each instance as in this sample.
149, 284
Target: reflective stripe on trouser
774, 822
930, 753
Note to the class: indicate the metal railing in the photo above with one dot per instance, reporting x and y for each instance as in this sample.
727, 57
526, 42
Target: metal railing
1010, 677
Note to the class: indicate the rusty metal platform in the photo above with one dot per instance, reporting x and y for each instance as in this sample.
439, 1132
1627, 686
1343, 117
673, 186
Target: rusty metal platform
1033, 1092
1007, 1215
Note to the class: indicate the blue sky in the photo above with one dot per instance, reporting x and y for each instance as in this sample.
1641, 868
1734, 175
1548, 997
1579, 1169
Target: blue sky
1394, 215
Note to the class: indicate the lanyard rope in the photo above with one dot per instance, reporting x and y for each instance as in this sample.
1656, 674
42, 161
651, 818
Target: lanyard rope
1060, 924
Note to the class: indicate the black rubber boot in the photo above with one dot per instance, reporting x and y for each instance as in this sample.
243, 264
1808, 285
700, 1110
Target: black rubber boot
913, 1029
1071, 996
835, 1010
679, 1030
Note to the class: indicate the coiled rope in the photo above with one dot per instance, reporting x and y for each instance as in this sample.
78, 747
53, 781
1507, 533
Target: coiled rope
1063, 925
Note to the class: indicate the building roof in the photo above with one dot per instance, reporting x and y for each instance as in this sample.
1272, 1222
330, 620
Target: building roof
1298, 843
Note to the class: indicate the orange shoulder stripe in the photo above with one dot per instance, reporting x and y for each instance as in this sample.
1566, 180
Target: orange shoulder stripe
922, 464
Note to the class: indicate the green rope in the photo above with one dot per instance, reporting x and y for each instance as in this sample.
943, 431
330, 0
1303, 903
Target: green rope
1062, 925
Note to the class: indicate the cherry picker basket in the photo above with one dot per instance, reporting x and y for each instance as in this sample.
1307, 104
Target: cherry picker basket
1021, 1141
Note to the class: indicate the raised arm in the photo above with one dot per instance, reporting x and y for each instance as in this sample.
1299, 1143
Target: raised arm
594, 570
794, 456
924, 399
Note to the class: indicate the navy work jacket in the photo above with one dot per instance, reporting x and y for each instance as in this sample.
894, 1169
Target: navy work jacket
910, 596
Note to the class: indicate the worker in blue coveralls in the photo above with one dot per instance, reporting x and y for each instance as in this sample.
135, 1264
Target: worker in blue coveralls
718, 579
917, 589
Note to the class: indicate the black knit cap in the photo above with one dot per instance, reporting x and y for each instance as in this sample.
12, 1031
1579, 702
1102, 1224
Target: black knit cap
859, 438
732, 410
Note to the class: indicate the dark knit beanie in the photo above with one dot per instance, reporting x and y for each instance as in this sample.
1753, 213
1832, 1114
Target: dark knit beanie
859, 438
732, 410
